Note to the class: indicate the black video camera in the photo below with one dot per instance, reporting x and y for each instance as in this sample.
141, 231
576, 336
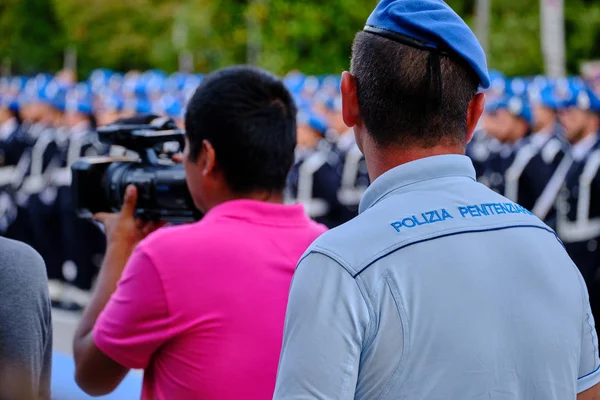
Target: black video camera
99, 183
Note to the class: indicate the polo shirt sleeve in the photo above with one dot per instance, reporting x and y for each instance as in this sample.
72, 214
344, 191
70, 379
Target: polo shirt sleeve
589, 363
136, 320
326, 321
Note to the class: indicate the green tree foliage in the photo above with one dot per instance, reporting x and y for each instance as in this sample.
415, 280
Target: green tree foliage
30, 35
310, 35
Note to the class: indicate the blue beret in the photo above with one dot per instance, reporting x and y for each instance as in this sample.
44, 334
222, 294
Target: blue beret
81, 105
516, 87
429, 25
313, 120
54, 95
175, 82
139, 106
18, 83
10, 103
112, 102
294, 81
573, 92
515, 105
170, 106
547, 98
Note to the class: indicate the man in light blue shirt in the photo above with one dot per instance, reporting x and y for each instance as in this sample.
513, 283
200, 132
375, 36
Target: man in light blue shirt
440, 289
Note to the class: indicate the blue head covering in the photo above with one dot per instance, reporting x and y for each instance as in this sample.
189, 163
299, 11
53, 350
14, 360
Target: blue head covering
78, 101
545, 96
54, 95
10, 102
574, 92
430, 25
112, 102
313, 120
170, 106
17, 84
516, 87
497, 83
294, 81
175, 82
516, 105
139, 106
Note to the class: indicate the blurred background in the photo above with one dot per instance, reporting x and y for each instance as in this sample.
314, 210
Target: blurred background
309, 35
68, 66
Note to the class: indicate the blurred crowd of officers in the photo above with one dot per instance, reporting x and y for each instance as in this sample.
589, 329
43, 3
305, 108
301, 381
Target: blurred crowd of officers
538, 144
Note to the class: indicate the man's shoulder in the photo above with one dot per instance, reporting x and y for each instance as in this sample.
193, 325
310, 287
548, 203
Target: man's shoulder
355, 243
401, 220
18, 257
22, 273
174, 236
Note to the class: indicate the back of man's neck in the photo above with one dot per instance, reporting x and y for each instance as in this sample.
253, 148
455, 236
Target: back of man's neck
382, 160
273, 197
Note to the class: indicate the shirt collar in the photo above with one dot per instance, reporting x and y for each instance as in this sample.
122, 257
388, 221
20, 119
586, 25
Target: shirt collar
583, 147
7, 128
416, 171
538, 139
260, 212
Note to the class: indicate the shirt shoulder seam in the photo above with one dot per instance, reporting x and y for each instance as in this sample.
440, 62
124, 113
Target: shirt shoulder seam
442, 234
360, 286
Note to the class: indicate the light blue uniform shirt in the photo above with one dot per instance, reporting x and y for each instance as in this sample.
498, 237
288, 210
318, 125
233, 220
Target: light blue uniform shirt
440, 289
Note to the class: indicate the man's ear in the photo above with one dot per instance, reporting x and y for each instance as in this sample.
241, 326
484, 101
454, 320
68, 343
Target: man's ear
474, 112
208, 157
350, 111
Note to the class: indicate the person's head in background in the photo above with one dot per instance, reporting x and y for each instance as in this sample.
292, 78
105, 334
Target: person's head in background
580, 114
240, 137
110, 109
312, 128
79, 113
9, 109
508, 119
392, 99
544, 110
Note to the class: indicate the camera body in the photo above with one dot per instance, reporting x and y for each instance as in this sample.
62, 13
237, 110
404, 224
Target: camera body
99, 183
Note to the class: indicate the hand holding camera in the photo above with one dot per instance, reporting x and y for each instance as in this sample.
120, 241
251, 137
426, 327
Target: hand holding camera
162, 195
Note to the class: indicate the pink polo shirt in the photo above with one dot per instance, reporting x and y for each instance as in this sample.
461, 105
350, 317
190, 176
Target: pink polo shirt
201, 307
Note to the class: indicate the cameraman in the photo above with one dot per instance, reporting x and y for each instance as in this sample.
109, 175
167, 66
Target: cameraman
201, 307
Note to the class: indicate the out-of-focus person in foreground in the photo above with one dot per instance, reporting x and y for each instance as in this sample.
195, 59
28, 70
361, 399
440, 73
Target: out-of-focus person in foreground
201, 307
25, 324
441, 288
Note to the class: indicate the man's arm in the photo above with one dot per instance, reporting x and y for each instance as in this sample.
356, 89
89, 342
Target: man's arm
95, 372
324, 331
589, 361
25, 323
592, 393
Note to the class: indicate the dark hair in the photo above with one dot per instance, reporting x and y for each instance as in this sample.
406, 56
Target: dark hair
249, 117
397, 103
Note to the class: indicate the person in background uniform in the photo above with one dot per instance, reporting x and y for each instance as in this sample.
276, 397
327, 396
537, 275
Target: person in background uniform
441, 288
20, 146
354, 176
508, 121
537, 159
313, 180
10, 150
83, 243
478, 150
110, 109
40, 191
575, 187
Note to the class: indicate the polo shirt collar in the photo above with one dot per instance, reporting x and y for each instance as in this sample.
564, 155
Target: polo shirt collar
416, 171
260, 212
